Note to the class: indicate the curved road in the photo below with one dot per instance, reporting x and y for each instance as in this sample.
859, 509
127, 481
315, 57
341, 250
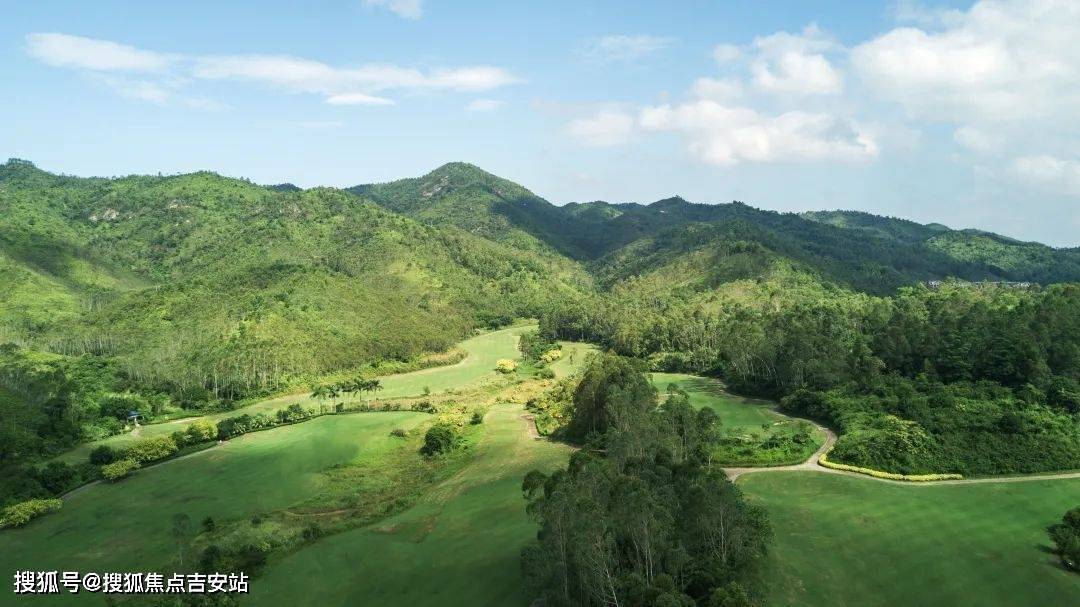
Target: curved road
813, 464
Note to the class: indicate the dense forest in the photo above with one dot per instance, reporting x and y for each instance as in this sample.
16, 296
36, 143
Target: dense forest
930, 349
640, 516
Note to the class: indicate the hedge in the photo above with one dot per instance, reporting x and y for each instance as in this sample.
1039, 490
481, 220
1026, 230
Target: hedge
893, 476
17, 515
119, 469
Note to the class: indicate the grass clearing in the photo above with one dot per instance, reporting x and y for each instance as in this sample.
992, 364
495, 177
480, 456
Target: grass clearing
754, 433
460, 545
848, 541
476, 369
125, 526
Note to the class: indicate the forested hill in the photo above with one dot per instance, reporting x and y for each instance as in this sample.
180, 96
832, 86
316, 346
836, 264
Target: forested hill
859, 250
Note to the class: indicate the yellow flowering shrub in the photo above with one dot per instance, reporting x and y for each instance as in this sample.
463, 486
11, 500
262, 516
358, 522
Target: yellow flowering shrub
893, 476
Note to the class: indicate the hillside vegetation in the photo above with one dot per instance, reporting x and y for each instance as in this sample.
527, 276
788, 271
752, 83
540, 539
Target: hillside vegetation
199, 291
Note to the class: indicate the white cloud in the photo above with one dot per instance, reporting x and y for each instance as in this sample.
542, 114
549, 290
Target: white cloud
308, 76
977, 140
1056, 174
624, 48
1002, 60
908, 11
724, 89
605, 128
357, 85
407, 9
790, 63
723, 135
726, 53
357, 99
484, 105
62, 50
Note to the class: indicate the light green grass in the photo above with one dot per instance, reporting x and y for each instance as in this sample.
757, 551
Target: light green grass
125, 526
843, 541
476, 368
460, 545
741, 418
574, 355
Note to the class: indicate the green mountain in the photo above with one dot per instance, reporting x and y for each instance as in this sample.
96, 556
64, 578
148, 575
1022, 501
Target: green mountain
201, 282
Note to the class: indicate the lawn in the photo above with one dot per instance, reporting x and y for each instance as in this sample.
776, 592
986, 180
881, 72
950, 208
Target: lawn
125, 526
754, 433
476, 368
858, 542
460, 545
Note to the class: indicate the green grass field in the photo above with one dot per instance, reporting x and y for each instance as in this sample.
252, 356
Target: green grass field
460, 545
849, 541
125, 526
743, 419
476, 368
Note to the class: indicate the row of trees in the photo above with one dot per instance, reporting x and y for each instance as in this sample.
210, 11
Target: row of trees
640, 516
357, 385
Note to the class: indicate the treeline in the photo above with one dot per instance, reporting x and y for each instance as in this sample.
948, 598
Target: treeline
969, 378
640, 516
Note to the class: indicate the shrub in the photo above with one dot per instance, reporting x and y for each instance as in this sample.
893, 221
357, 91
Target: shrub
424, 406
398, 432
200, 432
1066, 538
312, 532
17, 515
545, 373
550, 356
103, 454
477, 418
119, 469
824, 461
440, 438
56, 477
151, 449
506, 365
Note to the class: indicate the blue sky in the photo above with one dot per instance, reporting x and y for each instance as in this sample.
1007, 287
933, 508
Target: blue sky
957, 112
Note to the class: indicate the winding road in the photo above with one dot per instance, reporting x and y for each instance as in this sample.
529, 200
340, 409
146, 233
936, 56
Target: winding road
813, 464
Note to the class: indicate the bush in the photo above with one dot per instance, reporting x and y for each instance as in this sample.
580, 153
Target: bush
1066, 538
551, 356
506, 365
103, 454
424, 406
824, 461
119, 469
151, 449
200, 432
17, 515
440, 438
545, 373
477, 418
57, 477
398, 432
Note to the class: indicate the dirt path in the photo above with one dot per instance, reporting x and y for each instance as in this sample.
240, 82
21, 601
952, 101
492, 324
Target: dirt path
813, 464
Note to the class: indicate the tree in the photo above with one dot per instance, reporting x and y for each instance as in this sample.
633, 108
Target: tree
1066, 538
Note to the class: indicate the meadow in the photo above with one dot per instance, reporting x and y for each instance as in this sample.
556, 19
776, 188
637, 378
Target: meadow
482, 351
754, 433
126, 526
850, 541
460, 545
